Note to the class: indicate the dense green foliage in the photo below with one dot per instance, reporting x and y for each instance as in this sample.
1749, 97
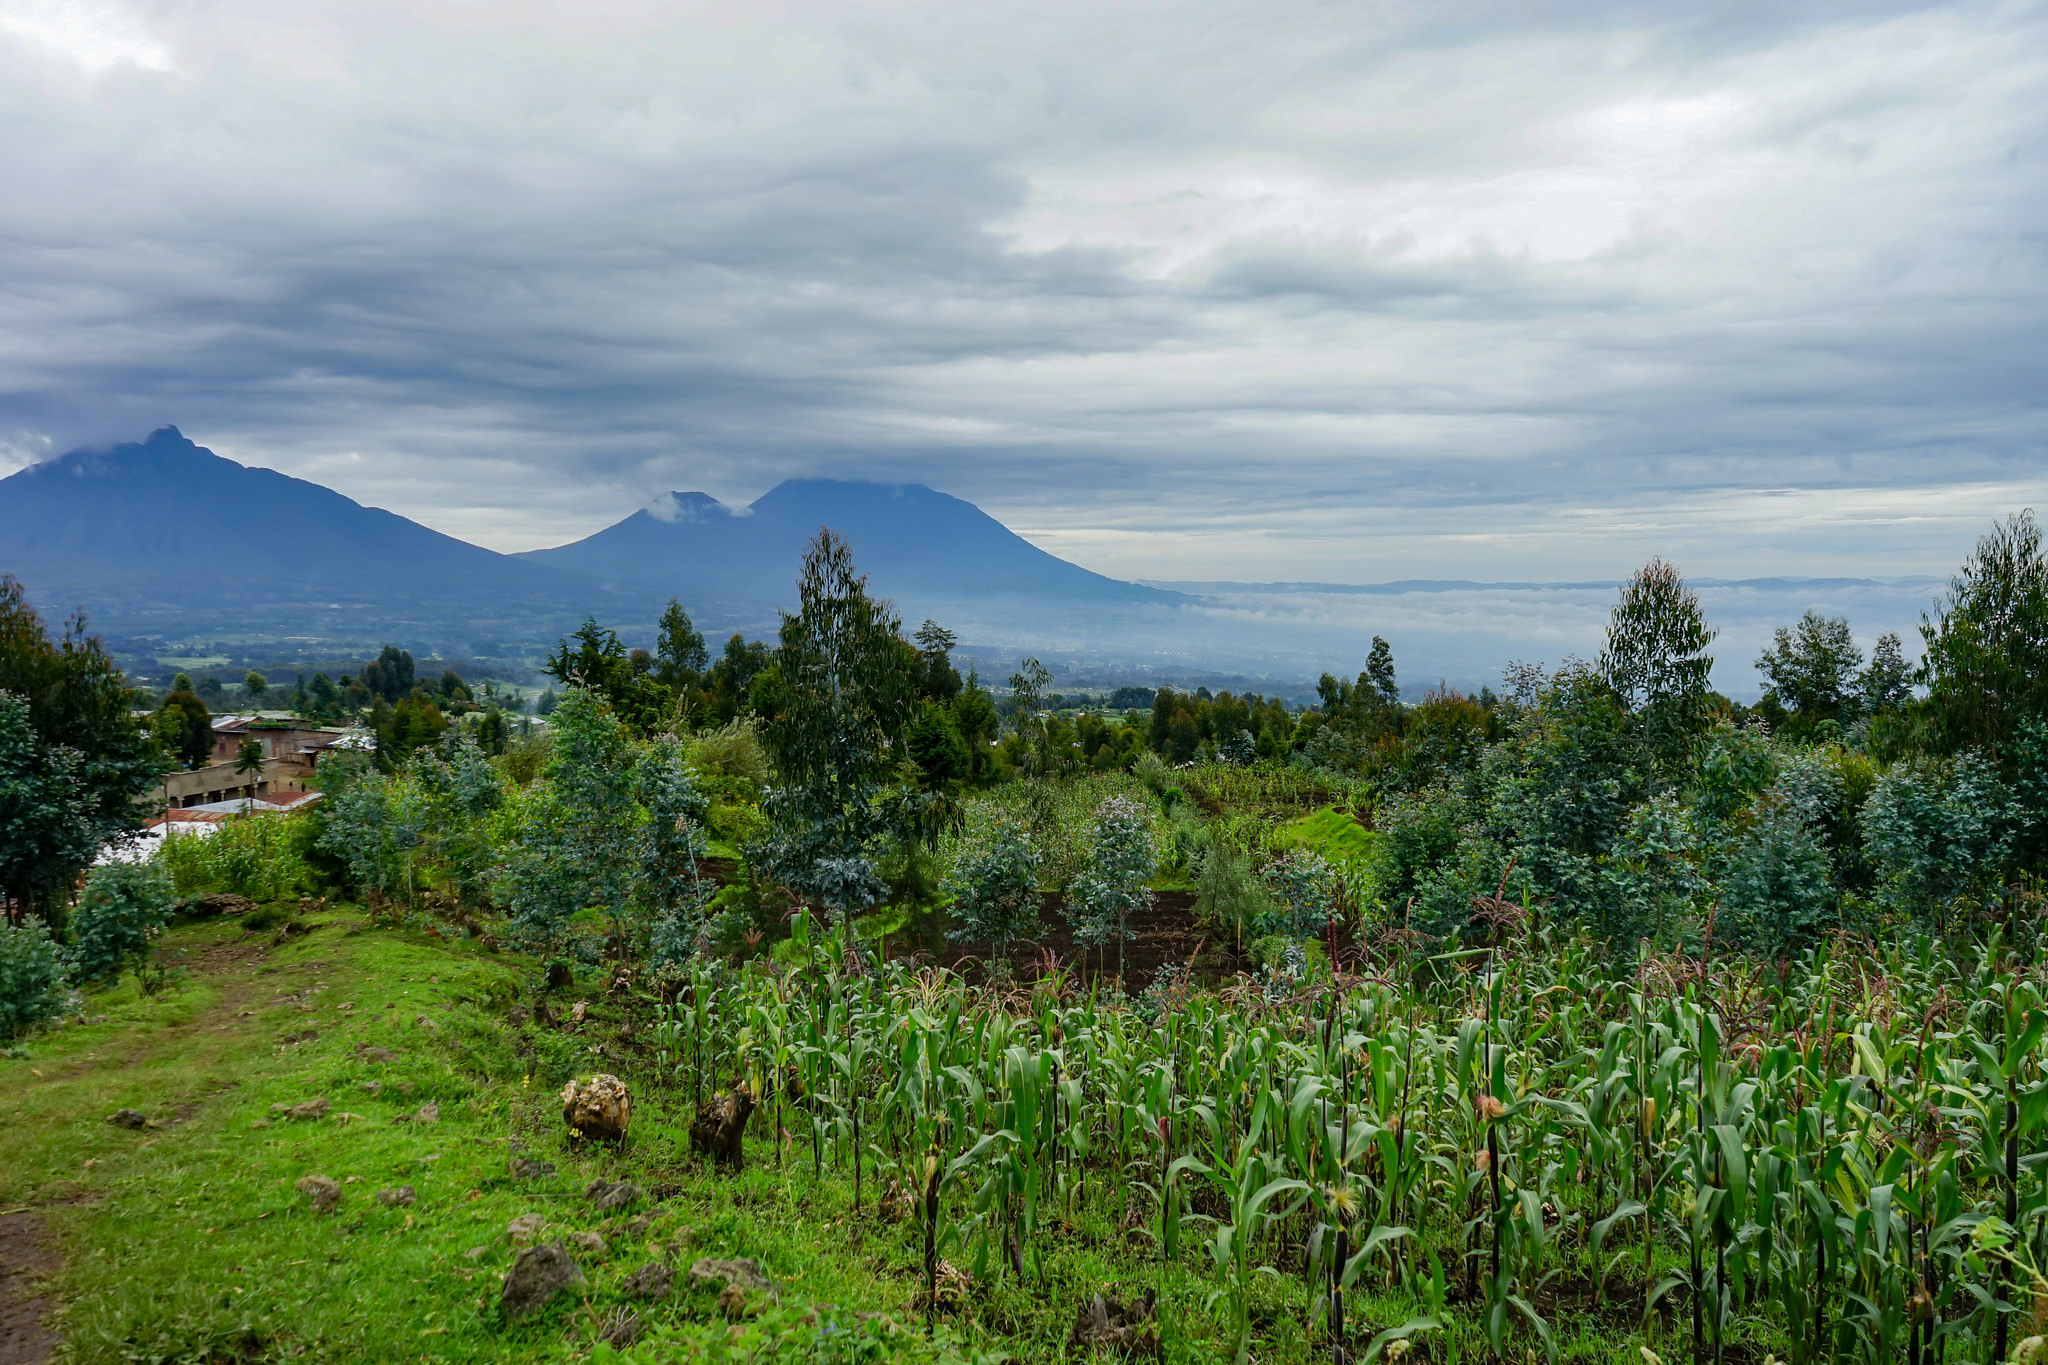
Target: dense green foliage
1596, 1014
73, 759
123, 908
31, 978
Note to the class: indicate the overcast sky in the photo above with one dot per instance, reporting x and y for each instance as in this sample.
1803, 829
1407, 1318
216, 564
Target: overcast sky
1346, 292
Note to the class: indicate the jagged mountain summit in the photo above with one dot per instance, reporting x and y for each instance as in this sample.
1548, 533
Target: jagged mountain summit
915, 544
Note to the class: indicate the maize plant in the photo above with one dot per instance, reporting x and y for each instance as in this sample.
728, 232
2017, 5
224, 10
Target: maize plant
1839, 1158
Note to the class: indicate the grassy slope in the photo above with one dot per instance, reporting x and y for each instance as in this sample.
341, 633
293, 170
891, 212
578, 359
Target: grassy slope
188, 1241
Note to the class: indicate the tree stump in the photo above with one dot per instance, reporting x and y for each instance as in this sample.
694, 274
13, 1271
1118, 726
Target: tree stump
721, 1125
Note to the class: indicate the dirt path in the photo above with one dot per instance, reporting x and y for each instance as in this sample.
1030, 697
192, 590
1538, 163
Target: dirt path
26, 1264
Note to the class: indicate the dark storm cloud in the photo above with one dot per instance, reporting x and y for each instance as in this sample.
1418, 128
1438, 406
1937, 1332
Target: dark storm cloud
1182, 291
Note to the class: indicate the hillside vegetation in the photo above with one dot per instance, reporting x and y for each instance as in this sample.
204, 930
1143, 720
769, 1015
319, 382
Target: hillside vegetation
1596, 1017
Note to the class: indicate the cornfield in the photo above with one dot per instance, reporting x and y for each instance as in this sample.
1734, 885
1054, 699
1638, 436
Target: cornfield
1838, 1159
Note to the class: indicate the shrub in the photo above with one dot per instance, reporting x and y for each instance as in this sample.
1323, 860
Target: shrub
996, 891
261, 857
1937, 830
1777, 892
31, 978
266, 917
122, 910
1112, 886
1228, 897
1306, 891
731, 760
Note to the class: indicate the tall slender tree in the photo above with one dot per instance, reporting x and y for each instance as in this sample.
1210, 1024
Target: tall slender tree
834, 702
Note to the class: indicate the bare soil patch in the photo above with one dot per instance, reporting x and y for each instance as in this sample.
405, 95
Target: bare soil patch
26, 1265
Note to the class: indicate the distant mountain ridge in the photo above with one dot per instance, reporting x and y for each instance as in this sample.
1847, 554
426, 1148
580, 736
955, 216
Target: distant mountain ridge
164, 539
914, 544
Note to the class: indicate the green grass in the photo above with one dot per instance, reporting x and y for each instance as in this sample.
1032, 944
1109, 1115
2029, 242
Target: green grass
187, 1240
1334, 833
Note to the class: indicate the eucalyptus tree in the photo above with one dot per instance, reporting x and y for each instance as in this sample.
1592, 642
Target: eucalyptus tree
1111, 887
576, 837
996, 893
834, 700
1656, 659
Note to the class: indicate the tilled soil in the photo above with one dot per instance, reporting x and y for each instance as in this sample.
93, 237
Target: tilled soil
1165, 935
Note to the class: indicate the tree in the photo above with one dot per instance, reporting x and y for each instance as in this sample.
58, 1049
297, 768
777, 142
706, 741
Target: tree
995, 890
1111, 887
412, 724
1776, 891
935, 643
1657, 639
249, 760
673, 842
579, 840
975, 719
46, 817
1304, 888
462, 791
1938, 829
934, 744
324, 697
1986, 659
1028, 702
183, 728
1655, 660
679, 650
593, 659
1888, 683
1812, 668
1027, 694
833, 703
255, 684
389, 675
75, 700
355, 826
122, 910
1379, 673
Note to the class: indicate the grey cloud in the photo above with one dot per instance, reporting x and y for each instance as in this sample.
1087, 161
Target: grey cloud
1277, 291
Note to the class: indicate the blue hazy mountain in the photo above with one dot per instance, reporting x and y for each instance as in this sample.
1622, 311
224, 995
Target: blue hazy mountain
921, 547
164, 540
164, 537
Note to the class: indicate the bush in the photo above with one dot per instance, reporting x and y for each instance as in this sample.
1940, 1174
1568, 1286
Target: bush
261, 857
1937, 830
996, 891
731, 760
1112, 887
266, 917
1228, 897
1305, 890
31, 978
122, 910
